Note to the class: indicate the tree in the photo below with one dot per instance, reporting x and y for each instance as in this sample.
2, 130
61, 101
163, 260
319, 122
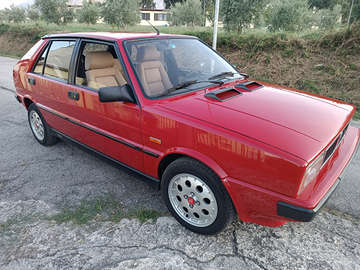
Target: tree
238, 14
121, 12
210, 11
355, 14
33, 14
3, 16
189, 13
147, 4
329, 19
15, 14
322, 4
169, 3
88, 13
55, 11
290, 15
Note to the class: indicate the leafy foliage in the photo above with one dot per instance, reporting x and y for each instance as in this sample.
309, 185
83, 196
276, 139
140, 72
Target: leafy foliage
15, 14
55, 11
169, 3
291, 15
188, 13
89, 13
33, 14
120, 12
147, 4
329, 19
355, 14
238, 14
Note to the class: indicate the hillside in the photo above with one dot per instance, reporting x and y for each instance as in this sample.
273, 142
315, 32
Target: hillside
326, 64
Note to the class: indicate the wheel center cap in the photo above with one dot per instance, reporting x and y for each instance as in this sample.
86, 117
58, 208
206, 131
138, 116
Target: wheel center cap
191, 201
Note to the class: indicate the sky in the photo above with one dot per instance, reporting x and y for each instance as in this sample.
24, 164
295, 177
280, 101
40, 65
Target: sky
7, 3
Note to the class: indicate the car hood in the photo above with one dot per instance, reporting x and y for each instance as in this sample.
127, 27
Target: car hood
293, 121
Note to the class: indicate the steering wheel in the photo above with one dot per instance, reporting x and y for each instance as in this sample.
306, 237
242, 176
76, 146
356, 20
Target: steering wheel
192, 73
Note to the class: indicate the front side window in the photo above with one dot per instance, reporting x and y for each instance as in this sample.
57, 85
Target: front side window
164, 64
55, 60
98, 66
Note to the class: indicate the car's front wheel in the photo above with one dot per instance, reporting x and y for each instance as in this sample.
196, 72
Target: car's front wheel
39, 127
196, 197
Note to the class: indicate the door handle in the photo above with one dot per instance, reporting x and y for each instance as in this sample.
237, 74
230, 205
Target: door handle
31, 80
73, 95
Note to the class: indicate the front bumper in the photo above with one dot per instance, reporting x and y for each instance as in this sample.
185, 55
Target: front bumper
303, 214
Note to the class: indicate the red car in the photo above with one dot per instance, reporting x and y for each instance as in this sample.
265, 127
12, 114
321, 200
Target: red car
176, 114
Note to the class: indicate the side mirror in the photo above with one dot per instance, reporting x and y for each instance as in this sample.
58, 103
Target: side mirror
116, 93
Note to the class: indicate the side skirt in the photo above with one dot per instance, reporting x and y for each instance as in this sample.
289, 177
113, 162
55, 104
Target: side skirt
151, 181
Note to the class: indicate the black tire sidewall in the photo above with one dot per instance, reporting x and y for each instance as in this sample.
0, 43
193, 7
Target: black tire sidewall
187, 165
48, 140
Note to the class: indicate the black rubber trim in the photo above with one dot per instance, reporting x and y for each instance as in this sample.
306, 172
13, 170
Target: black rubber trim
94, 130
151, 181
17, 98
150, 153
303, 214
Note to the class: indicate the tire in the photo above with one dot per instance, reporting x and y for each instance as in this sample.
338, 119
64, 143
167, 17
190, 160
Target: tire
39, 127
196, 197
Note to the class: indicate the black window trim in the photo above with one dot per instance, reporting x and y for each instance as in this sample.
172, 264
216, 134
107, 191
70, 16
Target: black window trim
75, 58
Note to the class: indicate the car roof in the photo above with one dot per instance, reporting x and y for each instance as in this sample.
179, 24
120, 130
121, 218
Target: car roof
112, 35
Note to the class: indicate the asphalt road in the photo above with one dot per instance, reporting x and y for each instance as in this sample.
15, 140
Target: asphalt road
37, 180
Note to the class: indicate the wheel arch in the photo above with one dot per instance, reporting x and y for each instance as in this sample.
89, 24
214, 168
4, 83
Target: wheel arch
27, 102
172, 155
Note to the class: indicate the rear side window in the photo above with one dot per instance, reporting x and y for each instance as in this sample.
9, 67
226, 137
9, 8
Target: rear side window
55, 60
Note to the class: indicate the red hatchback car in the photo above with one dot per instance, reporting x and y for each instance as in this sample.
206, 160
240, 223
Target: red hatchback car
175, 113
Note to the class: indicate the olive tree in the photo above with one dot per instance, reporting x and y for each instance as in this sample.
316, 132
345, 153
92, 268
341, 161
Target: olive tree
15, 14
329, 19
55, 11
147, 4
239, 14
88, 13
187, 13
120, 12
290, 15
33, 14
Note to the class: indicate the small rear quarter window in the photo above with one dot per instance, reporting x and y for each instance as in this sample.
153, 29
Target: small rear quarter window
33, 49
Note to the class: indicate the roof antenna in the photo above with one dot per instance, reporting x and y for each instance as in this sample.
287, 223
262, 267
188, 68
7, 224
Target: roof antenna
137, 11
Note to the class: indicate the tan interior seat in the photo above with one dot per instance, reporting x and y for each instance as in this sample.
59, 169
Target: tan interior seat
151, 71
117, 65
100, 71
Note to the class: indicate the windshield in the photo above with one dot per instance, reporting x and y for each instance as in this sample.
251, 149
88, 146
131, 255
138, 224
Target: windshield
165, 66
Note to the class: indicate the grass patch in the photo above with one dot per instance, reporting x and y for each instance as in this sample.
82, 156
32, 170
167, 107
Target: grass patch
104, 209
357, 116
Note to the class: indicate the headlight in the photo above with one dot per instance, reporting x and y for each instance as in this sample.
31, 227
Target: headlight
311, 172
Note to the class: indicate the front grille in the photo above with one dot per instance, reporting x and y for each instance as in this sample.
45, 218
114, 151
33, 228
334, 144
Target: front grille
334, 145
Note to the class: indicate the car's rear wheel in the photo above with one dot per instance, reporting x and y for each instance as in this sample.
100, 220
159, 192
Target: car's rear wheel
196, 197
39, 127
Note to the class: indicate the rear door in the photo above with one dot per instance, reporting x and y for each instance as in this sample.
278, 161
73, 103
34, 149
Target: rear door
48, 82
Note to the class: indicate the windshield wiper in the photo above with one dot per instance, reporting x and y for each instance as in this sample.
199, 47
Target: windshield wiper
223, 74
185, 84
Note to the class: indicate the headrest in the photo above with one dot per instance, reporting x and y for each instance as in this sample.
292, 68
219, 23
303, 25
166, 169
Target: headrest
147, 53
98, 60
